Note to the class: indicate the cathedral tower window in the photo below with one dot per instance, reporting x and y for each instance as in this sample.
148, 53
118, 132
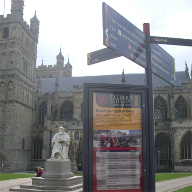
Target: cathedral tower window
66, 111
42, 112
2, 90
23, 143
180, 108
160, 108
163, 145
5, 32
186, 146
10, 90
37, 148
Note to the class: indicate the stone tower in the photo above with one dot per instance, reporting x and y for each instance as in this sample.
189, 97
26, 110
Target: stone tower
18, 52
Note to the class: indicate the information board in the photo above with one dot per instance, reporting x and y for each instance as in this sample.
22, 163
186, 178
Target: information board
117, 142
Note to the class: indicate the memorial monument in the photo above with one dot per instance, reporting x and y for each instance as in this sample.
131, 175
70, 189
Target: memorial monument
58, 175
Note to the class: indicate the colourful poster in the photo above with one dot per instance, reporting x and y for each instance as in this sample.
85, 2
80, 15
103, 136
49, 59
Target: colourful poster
117, 142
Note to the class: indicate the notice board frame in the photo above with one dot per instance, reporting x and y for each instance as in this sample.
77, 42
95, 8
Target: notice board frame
89, 88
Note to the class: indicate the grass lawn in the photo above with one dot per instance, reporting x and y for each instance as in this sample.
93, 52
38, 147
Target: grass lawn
185, 189
168, 176
158, 176
7, 176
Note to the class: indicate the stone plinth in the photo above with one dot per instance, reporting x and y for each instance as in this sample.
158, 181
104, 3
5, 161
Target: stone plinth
57, 178
57, 169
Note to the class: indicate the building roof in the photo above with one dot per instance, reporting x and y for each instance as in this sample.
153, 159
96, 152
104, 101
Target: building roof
66, 83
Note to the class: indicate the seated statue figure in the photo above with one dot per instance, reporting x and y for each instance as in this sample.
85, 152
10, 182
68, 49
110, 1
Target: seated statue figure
60, 145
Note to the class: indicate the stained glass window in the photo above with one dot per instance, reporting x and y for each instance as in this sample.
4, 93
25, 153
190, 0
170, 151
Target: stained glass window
186, 146
160, 108
180, 108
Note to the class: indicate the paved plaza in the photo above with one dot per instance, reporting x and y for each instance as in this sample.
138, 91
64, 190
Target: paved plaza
163, 186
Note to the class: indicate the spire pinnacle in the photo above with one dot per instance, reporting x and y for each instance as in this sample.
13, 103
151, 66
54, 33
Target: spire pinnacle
123, 78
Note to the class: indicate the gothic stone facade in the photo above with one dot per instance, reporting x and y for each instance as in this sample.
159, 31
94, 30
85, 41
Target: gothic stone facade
34, 102
173, 127
18, 52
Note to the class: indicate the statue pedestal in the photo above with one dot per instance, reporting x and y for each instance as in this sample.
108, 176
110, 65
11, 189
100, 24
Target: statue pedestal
57, 177
57, 169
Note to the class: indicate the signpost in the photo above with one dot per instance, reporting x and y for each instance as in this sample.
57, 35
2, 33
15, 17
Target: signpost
117, 109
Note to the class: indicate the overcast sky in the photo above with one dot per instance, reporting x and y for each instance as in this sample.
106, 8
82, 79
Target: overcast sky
76, 26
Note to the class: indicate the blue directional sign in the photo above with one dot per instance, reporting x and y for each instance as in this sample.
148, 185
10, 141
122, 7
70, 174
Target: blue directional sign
122, 36
163, 64
101, 55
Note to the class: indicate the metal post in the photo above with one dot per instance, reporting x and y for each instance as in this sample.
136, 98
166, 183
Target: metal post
151, 143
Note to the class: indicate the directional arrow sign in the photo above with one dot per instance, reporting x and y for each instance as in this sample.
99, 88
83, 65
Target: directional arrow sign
163, 64
101, 55
171, 41
122, 36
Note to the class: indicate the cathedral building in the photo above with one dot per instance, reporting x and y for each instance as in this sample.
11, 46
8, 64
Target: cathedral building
35, 101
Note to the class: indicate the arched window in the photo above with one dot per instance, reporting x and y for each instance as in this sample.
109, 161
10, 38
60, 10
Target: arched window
5, 32
42, 112
10, 90
180, 108
163, 145
37, 148
160, 108
66, 111
76, 135
186, 146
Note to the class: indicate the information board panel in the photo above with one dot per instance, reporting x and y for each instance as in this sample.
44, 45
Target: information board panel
122, 36
117, 142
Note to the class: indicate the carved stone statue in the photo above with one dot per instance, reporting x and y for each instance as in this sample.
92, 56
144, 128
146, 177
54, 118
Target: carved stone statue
60, 145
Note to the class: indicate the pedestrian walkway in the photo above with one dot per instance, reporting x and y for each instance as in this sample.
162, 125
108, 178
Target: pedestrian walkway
163, 186
173, 184
5, 185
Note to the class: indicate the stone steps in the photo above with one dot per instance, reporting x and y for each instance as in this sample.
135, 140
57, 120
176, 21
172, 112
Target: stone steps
26, 188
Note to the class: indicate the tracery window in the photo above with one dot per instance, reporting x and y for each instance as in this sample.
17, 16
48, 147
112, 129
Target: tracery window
186, 146
42, 112
163, 144
37, 148
180, 108
160, 108
66, 111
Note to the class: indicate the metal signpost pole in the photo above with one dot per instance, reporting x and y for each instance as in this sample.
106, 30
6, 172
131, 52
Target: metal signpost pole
151, 143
